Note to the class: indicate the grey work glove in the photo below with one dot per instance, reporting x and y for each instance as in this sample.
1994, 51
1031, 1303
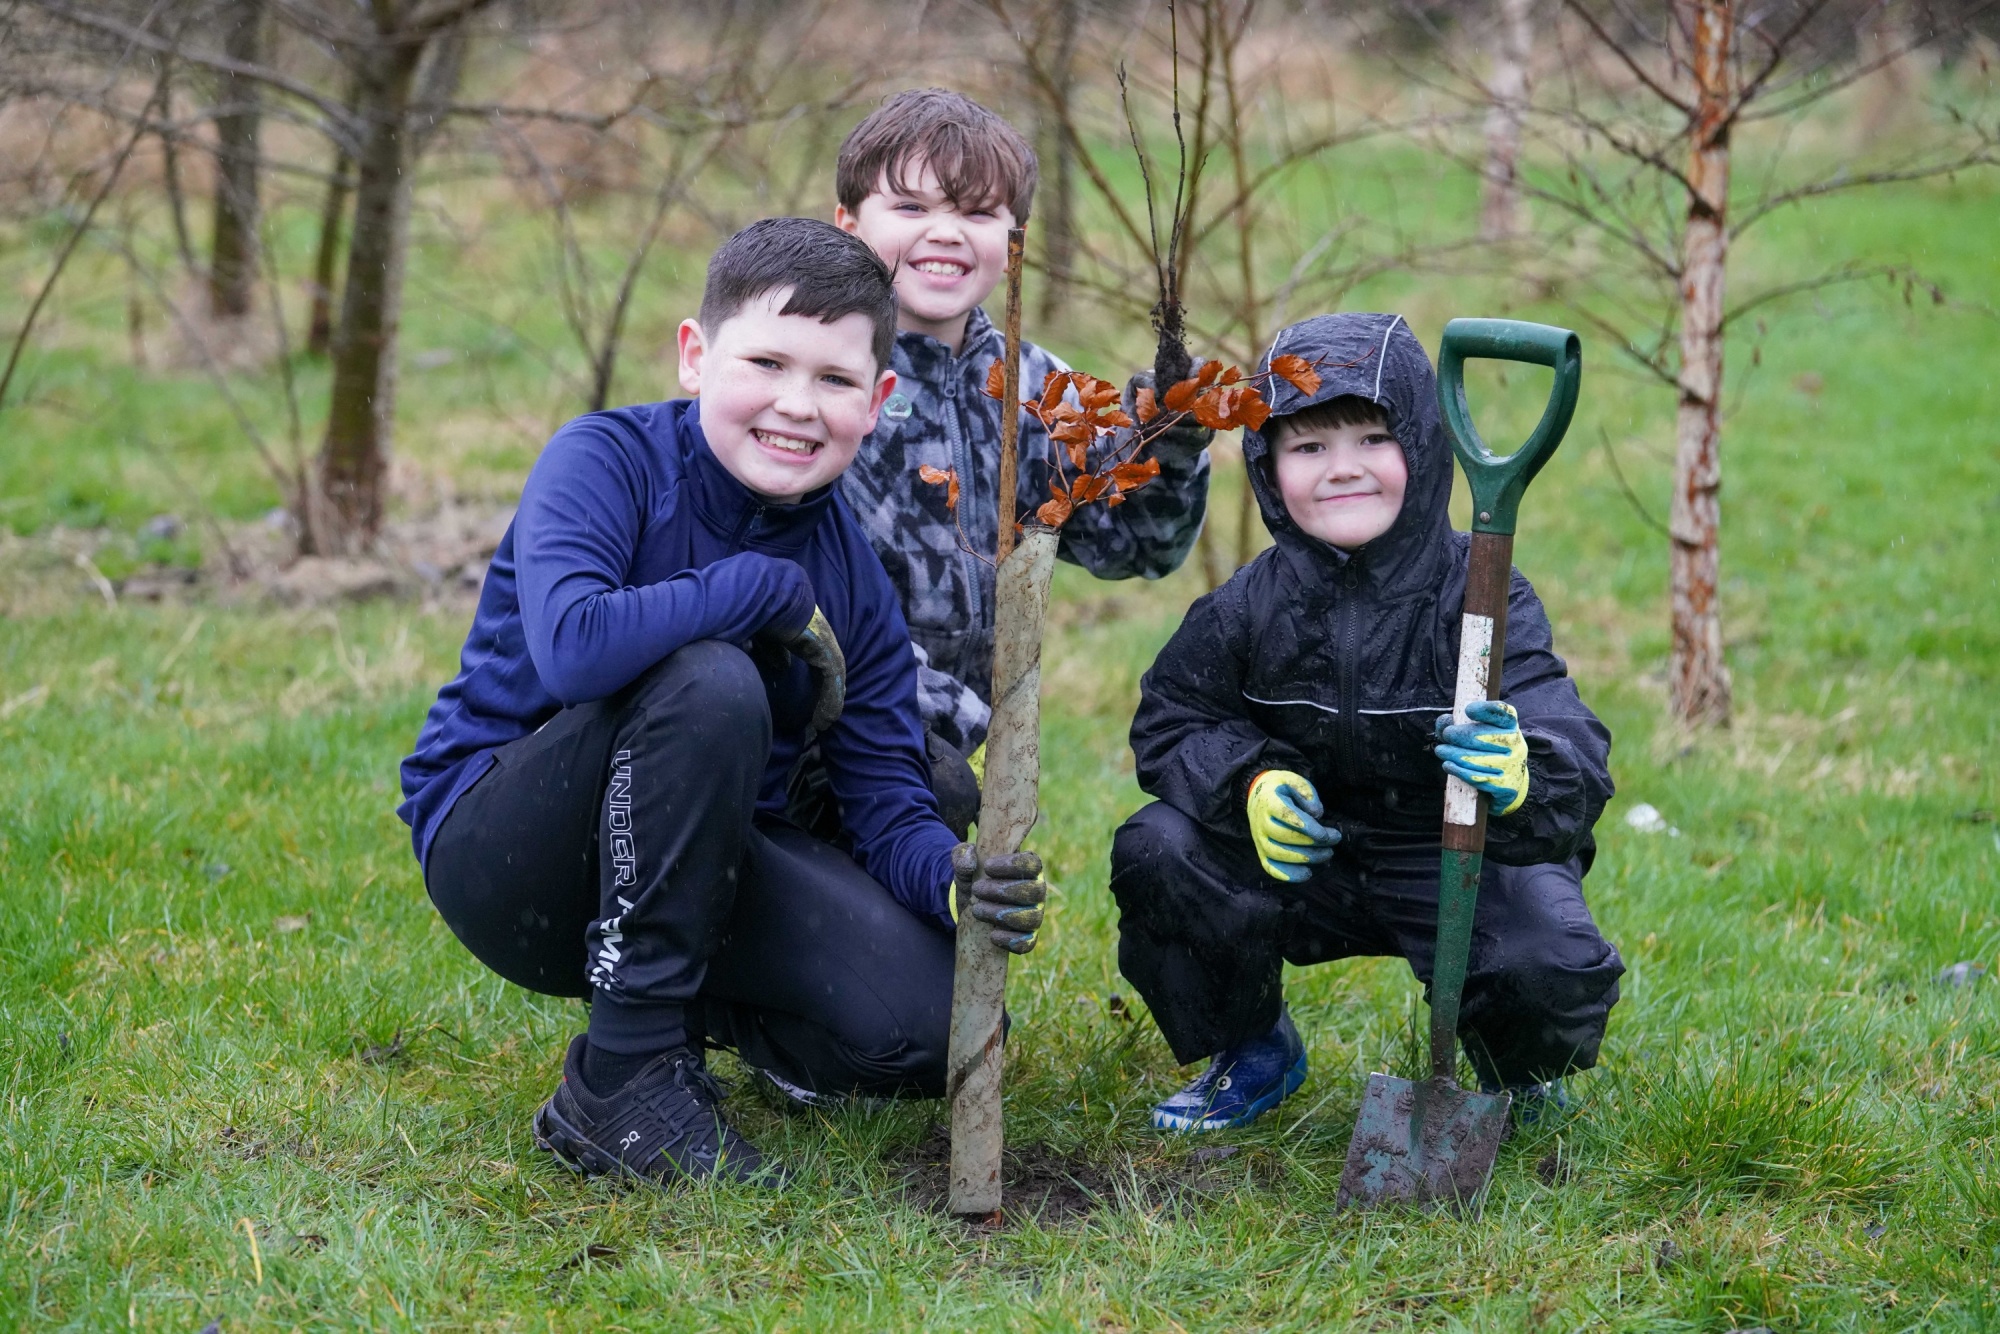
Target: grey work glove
1177, 443
819, 650
1006, 893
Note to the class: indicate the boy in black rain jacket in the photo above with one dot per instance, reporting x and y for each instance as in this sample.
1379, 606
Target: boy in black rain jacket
1291, 732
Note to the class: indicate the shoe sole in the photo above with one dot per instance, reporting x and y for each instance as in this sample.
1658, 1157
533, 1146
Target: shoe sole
574, 1151
1287, 1086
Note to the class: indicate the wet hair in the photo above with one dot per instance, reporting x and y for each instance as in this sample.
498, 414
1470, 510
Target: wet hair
832, 275
981, 161
1347, 410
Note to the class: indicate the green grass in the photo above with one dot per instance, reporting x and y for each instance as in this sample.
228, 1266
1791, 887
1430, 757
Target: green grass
212, 935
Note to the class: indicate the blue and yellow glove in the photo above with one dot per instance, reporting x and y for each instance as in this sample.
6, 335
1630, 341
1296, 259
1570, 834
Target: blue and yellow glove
1005, 892
1284, 824
1489, 752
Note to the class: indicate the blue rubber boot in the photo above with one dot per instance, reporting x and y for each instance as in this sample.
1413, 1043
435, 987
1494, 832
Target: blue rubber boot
1240, 1084
1536, 1106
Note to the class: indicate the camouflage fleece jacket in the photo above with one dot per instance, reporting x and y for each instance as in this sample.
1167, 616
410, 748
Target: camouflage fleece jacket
940, 416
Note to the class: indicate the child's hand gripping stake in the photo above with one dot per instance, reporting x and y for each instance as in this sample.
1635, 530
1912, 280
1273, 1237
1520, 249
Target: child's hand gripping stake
1433, 1142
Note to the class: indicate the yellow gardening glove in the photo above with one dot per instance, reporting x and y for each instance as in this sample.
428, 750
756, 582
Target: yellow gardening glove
1284, 815
1489, 752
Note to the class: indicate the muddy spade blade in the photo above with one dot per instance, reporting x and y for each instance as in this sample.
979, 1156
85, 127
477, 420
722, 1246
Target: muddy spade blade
1425, 1144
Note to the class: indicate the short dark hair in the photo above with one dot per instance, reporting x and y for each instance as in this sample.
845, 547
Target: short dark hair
832, 275
1347, 410
980, 159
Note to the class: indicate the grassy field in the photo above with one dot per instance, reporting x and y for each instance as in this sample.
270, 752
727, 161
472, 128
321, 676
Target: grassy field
249, 1077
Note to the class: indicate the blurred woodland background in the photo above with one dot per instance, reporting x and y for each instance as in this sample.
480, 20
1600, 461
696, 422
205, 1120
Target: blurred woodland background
268, 191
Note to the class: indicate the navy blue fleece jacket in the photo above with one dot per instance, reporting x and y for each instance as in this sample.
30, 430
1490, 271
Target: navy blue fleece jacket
631, 541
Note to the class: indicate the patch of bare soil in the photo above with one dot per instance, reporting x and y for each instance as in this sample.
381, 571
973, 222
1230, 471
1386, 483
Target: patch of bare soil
1038, 1183
1053, 1188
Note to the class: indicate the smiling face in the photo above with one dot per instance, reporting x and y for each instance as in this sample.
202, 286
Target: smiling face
948, 257
786, 400
1342, 484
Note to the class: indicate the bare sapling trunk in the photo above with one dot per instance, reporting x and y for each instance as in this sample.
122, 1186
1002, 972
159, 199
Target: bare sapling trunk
333, 209
353, 463
1700, 680
232, 267
1499, 212
1058, 226
1007, 803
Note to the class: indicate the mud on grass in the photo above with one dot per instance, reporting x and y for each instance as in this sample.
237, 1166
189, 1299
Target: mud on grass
1051, 1187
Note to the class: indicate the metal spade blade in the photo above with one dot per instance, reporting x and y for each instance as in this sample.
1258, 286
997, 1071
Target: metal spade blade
1428, 1143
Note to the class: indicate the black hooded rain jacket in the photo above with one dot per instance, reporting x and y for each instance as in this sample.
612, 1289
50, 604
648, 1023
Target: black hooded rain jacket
1336, 664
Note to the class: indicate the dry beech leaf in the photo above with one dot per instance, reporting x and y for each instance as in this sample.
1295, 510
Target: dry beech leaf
996, 380
1255, 411
1095, 393
1054, 513
1208, 373
1053, 390
1180, 397
1296, 371
1134, 474
944, 477
1147, 403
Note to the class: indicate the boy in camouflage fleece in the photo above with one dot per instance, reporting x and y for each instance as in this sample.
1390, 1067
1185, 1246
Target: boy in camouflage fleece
933, 181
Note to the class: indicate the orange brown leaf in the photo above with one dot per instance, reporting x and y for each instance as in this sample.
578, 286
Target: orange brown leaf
1180, 397
1147, 404
1095, 393
996, 380
1296, 371
944, 477
1054, 513
1134, 474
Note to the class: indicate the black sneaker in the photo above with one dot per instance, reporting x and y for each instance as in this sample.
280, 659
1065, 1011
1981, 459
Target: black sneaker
664, 1125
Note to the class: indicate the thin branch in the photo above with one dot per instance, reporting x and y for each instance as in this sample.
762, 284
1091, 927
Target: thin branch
70, 244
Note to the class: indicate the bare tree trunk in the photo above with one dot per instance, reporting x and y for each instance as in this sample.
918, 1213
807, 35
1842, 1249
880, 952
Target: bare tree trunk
319, 326
232, 265
354, 460
1499, 212
1700, 680
1058, 226
170, 167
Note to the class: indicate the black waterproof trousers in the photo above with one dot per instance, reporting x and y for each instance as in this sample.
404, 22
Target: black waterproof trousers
1203, 931
617, 852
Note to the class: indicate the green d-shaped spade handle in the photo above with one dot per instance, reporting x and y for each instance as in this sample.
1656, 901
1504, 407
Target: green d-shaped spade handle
1498, 483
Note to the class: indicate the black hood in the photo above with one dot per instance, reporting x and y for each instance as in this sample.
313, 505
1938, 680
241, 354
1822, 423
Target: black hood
1375, 357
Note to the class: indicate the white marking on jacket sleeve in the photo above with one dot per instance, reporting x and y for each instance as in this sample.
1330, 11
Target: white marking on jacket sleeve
1307, 703
1475, 655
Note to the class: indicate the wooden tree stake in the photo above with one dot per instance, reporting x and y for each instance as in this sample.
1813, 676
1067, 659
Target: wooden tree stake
1007, 802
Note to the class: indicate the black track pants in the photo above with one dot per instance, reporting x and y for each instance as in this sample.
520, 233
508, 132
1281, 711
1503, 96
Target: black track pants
616, 851
1202, 932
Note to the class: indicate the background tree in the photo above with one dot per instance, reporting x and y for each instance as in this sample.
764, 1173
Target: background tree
1637, 141
232, 264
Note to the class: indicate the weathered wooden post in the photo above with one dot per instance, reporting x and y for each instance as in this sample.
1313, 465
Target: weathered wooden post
1006, 807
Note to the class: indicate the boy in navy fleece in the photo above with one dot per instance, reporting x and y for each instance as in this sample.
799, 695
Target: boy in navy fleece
682, 603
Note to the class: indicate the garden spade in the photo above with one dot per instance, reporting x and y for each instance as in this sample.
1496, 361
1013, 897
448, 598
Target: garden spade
1430, 1142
